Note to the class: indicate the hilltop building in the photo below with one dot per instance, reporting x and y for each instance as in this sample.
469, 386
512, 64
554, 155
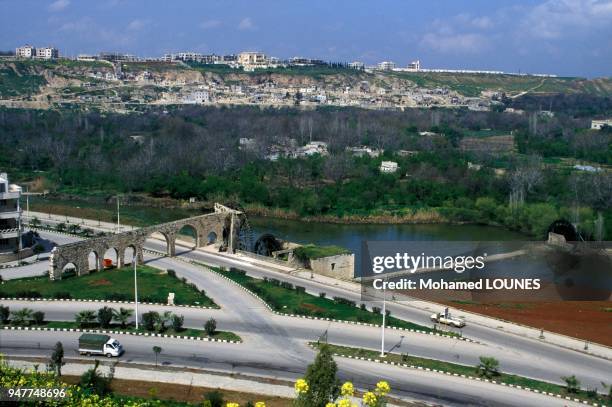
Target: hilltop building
414, 66
356, 65
10, 216
386, 66
28, 51
253, 59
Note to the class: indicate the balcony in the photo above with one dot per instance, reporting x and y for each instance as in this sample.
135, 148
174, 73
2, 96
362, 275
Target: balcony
10, 213
10, 195
9, 233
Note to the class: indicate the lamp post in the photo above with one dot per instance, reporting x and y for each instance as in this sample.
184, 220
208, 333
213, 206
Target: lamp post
384, 315
118, 223
135, 287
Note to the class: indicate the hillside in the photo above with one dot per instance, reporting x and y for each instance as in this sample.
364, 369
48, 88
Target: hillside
48, 84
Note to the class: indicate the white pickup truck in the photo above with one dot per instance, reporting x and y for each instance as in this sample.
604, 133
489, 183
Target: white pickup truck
447, 319
97, 344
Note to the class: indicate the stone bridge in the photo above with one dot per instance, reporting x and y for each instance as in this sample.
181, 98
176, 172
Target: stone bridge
212, 228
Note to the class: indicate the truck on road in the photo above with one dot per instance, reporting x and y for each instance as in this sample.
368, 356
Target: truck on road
447, 319
98, 344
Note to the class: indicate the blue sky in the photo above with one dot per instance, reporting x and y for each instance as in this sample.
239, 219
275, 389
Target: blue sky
566, 37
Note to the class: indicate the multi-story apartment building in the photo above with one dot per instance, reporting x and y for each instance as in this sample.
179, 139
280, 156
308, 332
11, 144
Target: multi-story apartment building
252, 59
47, 53
26, 51
10, 216
386, 66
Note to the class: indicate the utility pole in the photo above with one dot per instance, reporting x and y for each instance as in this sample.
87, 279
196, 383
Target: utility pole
231, 236
134, 261
118, 223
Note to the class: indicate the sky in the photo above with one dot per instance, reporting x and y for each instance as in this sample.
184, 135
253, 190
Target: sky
564, 37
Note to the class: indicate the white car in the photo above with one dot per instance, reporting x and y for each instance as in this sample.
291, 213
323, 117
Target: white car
447, 319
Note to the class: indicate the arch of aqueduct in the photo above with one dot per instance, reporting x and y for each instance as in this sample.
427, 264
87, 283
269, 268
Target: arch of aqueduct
221, 222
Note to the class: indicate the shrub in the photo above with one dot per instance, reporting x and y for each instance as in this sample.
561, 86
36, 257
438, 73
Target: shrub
177, 322
117, 297
210, 327
488, 367
149, 319
94, 381
38, 317
4, 314
340, 300
300, 289
171, 273
572, 384
62, 295
286, 285
21, 317
376, 310
85, 318
28, 294
322, 295
214, 399
362, 307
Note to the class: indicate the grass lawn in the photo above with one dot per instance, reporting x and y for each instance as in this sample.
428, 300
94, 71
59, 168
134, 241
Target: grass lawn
469, 371
294, 301
190, 332
311, 251
114, 284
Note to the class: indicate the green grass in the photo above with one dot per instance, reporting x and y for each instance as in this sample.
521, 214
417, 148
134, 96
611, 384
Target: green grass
466, 370
291, 301
190, 332
12, 84
114, 284
311, 251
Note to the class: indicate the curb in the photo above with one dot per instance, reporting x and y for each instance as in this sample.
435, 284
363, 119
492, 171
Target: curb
328, 319
407, 366
102, 301
27, 328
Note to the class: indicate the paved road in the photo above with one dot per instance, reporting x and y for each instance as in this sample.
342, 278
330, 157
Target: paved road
269, 362
277, 345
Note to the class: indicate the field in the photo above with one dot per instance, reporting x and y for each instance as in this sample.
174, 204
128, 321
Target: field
588, 320
114, 284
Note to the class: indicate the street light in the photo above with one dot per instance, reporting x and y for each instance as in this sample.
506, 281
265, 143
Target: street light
384, 314
135, 288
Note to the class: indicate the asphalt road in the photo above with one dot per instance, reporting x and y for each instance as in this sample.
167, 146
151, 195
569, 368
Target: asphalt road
276, 345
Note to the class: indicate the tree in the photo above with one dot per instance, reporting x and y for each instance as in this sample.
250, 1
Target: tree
210, 327
85, 318
488, 367
22, 316
572, 384
38, 317
157, 350
60, 227
323, 385
177, 322
74, 229
105, 316
122, 316
4, 314
57, 358
94, 381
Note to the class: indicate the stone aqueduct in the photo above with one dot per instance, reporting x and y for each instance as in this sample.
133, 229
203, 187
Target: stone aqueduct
221, 222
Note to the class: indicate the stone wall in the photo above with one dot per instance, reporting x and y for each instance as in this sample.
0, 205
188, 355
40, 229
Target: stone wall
341, 266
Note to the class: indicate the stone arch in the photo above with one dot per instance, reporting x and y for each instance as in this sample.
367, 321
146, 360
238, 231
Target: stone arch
128, 254
189, 234
211, 238
93, 261
70, 269
164, 239
113, 254
565, 228
266, 244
